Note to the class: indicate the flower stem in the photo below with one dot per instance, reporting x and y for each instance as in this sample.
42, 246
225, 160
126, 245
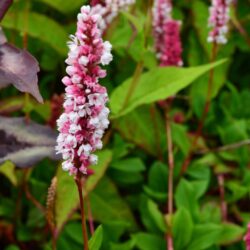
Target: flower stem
90, 216
84, 227
170, 205
204, 114
223, 204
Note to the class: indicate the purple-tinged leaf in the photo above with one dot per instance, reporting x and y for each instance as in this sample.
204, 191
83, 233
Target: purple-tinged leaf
4, 6
25, 144
18, 67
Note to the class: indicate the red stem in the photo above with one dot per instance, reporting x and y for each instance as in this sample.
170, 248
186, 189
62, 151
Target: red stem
170, 205
223, 204
78, 181
90, 216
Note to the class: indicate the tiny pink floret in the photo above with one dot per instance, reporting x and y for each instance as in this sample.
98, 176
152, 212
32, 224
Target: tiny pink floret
85, 116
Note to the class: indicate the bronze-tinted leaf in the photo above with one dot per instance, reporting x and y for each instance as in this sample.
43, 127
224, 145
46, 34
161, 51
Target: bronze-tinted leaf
18, 67
25, 144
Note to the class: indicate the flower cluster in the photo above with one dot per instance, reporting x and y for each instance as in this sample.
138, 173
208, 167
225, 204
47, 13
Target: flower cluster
85, 118
166, 34
247, 238
218, 20
171, 53
109, 9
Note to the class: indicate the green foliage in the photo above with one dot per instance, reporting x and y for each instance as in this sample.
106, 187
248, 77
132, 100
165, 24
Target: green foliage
64, 6
40, 27
146, 241
167, 82
65, 201
126, 196
8, 170
96, 240
204, 236
113, 207
182, 228
141, 127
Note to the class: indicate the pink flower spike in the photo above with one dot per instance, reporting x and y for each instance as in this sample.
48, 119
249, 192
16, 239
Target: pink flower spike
218, 21
247, 238
171, 53
166, 32
85, 116
109, 10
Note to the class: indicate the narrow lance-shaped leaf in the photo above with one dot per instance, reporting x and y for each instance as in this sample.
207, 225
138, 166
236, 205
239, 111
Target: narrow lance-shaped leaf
40, 26
4, 6
25, 144
96, 240
18, 67
157, 84
64, 6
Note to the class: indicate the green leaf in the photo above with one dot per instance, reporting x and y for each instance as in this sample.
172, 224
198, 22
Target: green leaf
107, 205
201, 13
157, 179
210, 213
120, 147
200, 187
137, 22
66, 191
184, 197
66, 197
12, 247
7, 207
123, 246
40, 27
146, 216
73, 232
157, 182
204, 236
8, 170
157, 216
146, 241
157, 84
129, 165
180, 137
112, 232
237, 190
64, 6
233, 132
142, 127
104, 159
125, 178
230, 233
96, 240
136, 49
182, 233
